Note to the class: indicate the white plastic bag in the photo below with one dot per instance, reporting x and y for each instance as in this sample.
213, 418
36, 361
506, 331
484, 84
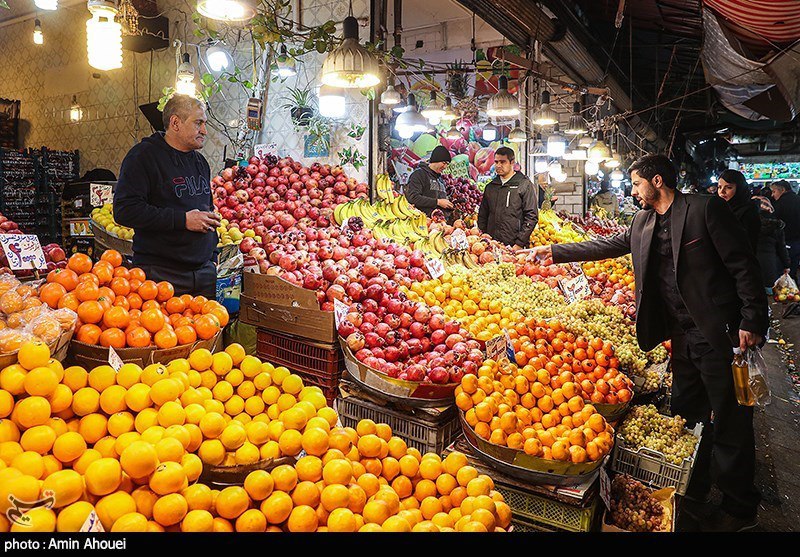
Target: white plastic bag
785, 284
757, 369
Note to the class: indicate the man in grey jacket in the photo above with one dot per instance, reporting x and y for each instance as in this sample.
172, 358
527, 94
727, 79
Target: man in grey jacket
425, 190
509, 210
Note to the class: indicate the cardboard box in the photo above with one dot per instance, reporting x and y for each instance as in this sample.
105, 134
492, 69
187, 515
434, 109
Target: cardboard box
667, 498
90, 356
272, 303
58, 350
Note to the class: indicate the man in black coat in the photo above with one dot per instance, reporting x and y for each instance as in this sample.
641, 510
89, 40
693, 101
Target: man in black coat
425, 189
698, 283
787, 209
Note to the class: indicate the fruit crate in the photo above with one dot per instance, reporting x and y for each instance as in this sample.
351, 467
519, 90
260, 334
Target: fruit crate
651, 467
418, 430
549, 513
521, 525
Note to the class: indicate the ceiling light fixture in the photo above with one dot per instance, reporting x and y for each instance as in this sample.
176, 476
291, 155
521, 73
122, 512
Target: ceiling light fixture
502, 104
350, 65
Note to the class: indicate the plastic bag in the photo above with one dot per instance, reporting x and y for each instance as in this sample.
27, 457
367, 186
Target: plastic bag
757, 369
785, 289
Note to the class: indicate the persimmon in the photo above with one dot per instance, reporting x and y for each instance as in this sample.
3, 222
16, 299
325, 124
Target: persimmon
80, 263
113, 257
134, 300
116, 317
88, 333
69, 301
113, 337
104, 271
165, 291
122, 302
138, 337
65, 277
185, 334
120, 286
136, 273
87, 290
148, 290
206, 326
51, 293
152, 320
175, 305
90, 311
122, 272
166, 338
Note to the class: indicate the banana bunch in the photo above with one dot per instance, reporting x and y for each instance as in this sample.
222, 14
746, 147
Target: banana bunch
399, 231
433, 245
384, 187
398, 209
452, 257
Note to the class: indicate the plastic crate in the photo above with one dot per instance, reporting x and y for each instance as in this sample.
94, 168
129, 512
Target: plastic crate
548, 512
329, 386
528, 526
323, 361
423, 434
651, 467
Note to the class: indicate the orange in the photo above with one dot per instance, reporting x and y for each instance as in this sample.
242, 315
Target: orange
148, 290
103, 476
168, 477
165, 291
277, 507
152, 320
337, 471
232, 502
80, 263
87, 291
206, 326
90, 312
170, 509
376, 512
138, 337
51, 294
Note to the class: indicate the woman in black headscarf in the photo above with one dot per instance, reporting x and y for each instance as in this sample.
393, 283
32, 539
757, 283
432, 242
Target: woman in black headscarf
734, 189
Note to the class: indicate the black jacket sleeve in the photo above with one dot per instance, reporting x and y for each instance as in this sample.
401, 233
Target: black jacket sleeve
728, 237
780, 248
414, 188
131, 207
483, 211
530, 215
595, 250
752, 225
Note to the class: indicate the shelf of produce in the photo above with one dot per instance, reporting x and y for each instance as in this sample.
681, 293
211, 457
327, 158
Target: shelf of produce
538, 507
411, 393
418, 428
651, 467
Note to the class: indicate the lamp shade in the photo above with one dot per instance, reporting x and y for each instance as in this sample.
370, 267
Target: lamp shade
538, 148
502, 104
591, 167
218, 58
517, 135
577, 126
449, 112
411, 119
489, 132
46, 4
453, 133
350, 65
227, 10
599, 151
545, 116
390, 97
540, 165
285, 64
434, 111
556, 144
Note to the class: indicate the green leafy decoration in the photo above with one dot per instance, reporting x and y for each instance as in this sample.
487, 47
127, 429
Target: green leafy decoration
4, 5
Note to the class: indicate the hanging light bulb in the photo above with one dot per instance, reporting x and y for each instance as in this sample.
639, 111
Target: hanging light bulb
599, 151
517, 135
591, 168
75, 111
613, 162
184, 80
332, 102
617, 175
538, 148
434, 111
449, 113
585, 142
453, 133
545, 116
554, 168
502, 104
46, 4
350, 65
540, 165
285, 65
38, 37
400, 107
218, 58
575, 155
411, 120
390, 97
556, 143
489, 132
577, 126
227, 10
104, 36
405, 133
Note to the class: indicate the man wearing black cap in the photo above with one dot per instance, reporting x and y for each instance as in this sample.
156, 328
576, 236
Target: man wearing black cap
425, 190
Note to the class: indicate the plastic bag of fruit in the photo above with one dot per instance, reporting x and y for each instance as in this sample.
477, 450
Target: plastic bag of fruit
21, 319
12, 339
45, 326
8, 282
785, 290
757, 369
66, 318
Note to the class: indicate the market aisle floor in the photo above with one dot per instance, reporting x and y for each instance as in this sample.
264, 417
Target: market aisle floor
777, 436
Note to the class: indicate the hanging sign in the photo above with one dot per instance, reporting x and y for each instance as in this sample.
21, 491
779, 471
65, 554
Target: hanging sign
23, 251
435, 267
100, 194
92, 523
263, 149
403, 172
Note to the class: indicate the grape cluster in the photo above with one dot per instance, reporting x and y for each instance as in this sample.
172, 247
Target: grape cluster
634, 509
645, 427
519, 293
652, 380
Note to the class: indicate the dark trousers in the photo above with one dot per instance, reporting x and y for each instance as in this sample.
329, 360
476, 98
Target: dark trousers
200, 282
794, 258
702, 382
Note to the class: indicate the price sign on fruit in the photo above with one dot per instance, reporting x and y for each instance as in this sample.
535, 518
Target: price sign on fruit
458, 239
435, 267
263, 149
23, 251
510, 349
340, 310
575, 288
605, 488
496, 348
100, 194
92, 523
113, 359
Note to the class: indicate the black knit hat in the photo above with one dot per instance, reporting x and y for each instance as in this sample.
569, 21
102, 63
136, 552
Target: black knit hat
440, 154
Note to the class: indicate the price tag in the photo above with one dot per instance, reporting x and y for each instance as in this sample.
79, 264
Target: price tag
435, 267
113, 359
496, 348
458, 239
403, 172
263, 149
575, 288
340, 310
605, 488
510, 349
498, 255
92, 523
23, 251
100, 194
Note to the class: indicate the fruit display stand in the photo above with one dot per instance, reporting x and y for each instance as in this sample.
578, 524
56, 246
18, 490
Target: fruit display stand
89, 355
318, 364
274, 304
411, 393
426, 429
652, 467
105, 240
665, 496
541, 508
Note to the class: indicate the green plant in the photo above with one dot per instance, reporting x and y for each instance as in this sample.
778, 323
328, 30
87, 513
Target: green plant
4, 5
298, 97
352, 156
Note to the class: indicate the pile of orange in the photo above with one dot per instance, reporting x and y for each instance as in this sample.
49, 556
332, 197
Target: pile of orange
616, 271
120, 307
534, 409
589, 362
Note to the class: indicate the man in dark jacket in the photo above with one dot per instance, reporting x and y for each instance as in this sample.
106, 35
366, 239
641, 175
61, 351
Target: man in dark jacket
164, 194
425, 189
787, 209
509, 210
698, 283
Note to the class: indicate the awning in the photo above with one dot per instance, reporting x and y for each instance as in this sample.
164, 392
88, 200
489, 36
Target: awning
761, 23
